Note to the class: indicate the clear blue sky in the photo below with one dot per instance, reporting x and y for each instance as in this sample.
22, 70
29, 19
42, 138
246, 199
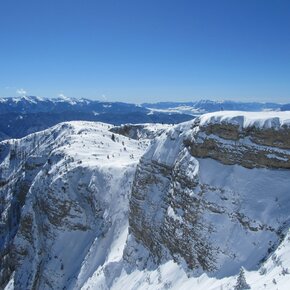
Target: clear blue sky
146, 50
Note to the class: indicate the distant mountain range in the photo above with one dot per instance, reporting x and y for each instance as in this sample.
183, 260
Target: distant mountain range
24, 115
208, 106
20, 116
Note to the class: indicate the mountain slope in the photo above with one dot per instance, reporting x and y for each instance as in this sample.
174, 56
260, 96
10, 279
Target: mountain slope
195, 220
64, 194
199, 205
213, 194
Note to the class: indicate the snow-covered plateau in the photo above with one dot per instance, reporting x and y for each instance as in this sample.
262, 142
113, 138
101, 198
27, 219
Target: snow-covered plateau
84, 207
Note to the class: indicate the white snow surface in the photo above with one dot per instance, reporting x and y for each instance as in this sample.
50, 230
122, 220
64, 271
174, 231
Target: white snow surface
261, 120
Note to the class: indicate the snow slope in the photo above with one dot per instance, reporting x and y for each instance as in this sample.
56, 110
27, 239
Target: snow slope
196, 209
74, 214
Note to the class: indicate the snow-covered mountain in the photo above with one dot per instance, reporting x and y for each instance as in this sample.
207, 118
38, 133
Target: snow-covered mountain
208, 197
32, 104
64, 204
25, 115
213, 195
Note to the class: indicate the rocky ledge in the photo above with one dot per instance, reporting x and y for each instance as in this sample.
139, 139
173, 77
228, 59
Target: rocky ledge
249, 139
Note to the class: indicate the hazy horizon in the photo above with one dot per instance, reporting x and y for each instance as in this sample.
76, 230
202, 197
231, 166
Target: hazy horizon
102, 99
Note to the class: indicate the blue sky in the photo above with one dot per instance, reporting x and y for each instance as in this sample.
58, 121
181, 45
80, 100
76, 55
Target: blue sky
146, 50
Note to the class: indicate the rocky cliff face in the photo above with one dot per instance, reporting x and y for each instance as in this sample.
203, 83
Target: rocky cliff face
213, 194
252, 146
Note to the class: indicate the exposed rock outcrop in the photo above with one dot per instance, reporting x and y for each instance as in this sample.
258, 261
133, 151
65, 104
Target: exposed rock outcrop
251, 146
140, 131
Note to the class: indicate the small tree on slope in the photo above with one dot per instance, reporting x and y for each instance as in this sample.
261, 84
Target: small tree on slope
241, 281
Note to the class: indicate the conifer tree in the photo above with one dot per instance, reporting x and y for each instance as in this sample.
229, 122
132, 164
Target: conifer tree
241, 281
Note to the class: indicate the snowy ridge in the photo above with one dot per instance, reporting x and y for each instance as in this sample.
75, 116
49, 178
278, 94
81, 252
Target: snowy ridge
141, 131
260, 120
74, 182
